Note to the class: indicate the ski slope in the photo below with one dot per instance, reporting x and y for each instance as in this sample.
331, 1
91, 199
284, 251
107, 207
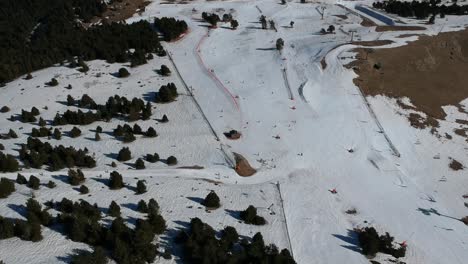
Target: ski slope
298, 121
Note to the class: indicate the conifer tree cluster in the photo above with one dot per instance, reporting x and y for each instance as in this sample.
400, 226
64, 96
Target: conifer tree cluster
64, 36
201, 245
371, 243
35, 154
81, 222
115, 106
167, 93
421, 9
250, 216
170, 27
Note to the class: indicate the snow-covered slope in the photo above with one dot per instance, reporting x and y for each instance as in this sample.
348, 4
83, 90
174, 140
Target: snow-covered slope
306, 129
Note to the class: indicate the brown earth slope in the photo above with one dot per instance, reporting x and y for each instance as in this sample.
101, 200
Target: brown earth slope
432, 72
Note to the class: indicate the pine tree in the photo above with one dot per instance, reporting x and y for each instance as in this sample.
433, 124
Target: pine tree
124, 154
142, 207
42, 122
123, 73
171, 161
12, 134
83, 189
70, 100
141, 187
151, 132
20, 179
128, 137
211, 200
57, 134
114, 209
7, 187
115, 181
34, 182
75, 132
153, 206
51, 184
75, 177
97, 137
140, 164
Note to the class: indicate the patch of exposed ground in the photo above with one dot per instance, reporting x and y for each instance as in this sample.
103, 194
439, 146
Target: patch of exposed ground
456, 165
243, 167
398, 28
121, 10
373, 43
341, 16
431, 72
194, 167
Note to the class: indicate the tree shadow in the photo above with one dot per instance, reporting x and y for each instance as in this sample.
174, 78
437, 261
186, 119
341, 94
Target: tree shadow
150, 96
196, 199
62, 178
430, 211
101, 180
131, 206
252, 27
20, 209
352, 239
265, 48
111, 155
65, 103
233, 213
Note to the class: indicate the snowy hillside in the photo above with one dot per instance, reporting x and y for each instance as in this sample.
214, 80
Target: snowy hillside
306, 128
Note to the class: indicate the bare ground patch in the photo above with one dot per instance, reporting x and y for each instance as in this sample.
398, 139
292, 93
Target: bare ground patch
398, 28
373, 43
121, 10
243, 167
431, 72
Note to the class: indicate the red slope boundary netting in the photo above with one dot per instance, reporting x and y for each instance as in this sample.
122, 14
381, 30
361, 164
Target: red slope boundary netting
212, 75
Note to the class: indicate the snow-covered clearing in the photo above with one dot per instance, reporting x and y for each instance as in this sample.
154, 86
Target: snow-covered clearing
237, 77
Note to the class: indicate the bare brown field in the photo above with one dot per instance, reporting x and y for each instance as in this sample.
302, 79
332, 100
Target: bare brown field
430, 71
397, 28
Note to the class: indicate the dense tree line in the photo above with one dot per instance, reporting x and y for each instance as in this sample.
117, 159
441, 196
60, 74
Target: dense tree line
81, 222
35, 154
420, 10
170, 27
35, 34
202, 245
115, 106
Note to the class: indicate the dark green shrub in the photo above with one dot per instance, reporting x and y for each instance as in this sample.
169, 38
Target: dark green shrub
7, 187
115, 181
124, 154
75, 177
123, 73
51, 184
171, 161
83, 189
114, 209
20, 179
140, 164
250, 216
75, 132
34, 182
211, 200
